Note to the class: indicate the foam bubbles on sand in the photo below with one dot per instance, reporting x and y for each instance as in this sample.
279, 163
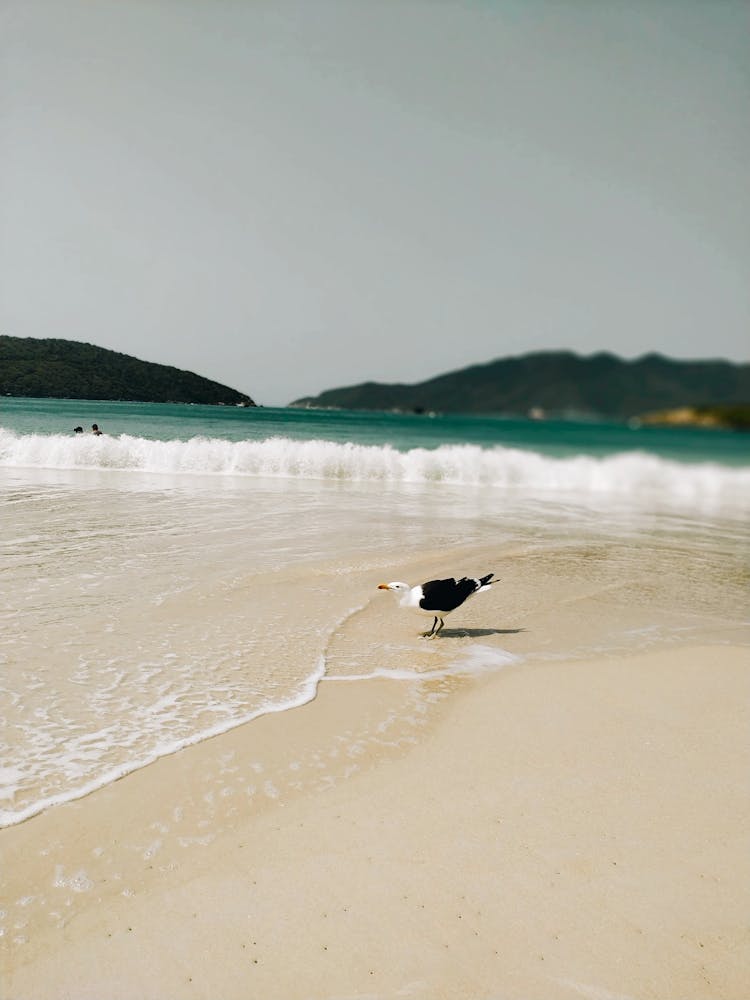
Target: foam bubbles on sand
76, 881
472, 660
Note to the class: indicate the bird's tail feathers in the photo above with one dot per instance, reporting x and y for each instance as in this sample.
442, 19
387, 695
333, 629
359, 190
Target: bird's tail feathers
485, 582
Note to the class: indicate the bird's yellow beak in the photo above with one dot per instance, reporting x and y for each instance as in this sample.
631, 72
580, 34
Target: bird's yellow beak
382, 586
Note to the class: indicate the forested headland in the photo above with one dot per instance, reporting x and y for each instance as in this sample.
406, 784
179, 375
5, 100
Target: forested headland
67, 369
568, 385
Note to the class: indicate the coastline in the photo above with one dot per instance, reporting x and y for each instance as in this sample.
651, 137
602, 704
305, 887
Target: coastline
555, 829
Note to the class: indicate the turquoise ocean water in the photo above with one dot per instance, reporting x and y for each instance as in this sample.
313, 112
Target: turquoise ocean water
195, 567
178, 422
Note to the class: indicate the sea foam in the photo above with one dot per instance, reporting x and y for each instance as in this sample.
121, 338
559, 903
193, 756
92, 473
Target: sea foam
81, 786
625, 473
473, 661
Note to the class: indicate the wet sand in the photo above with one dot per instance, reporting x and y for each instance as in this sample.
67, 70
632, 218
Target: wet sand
557, 829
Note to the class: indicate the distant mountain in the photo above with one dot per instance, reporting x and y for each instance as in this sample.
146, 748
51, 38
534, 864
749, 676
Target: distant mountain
556, 383
67, 369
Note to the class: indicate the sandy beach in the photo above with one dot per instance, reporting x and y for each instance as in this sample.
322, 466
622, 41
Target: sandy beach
554, 830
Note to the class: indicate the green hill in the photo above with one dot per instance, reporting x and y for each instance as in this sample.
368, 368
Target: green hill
67, 369
556, 383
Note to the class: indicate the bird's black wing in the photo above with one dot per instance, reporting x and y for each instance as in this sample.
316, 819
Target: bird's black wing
446, 595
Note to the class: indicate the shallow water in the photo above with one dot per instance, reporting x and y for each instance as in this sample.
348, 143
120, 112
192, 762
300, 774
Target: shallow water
158, 590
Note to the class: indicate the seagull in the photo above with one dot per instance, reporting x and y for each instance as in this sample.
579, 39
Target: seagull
438, 597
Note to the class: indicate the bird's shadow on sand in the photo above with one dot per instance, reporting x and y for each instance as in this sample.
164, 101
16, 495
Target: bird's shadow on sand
476, 633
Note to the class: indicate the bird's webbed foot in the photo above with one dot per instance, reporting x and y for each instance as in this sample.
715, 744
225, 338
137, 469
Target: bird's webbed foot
431, 633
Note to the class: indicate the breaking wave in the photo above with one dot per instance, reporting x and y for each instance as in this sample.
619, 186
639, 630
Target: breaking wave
632, 472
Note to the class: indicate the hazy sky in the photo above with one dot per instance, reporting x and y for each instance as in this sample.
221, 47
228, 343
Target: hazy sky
291, 196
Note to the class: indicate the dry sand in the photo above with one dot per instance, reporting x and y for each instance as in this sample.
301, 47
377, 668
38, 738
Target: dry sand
556, 830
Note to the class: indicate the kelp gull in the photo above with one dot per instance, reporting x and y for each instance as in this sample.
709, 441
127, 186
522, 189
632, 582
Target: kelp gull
437, 597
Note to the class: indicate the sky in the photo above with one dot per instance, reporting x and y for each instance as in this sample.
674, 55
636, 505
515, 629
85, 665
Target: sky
288, 197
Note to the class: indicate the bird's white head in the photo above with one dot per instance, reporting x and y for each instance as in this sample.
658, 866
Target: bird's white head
396, 585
